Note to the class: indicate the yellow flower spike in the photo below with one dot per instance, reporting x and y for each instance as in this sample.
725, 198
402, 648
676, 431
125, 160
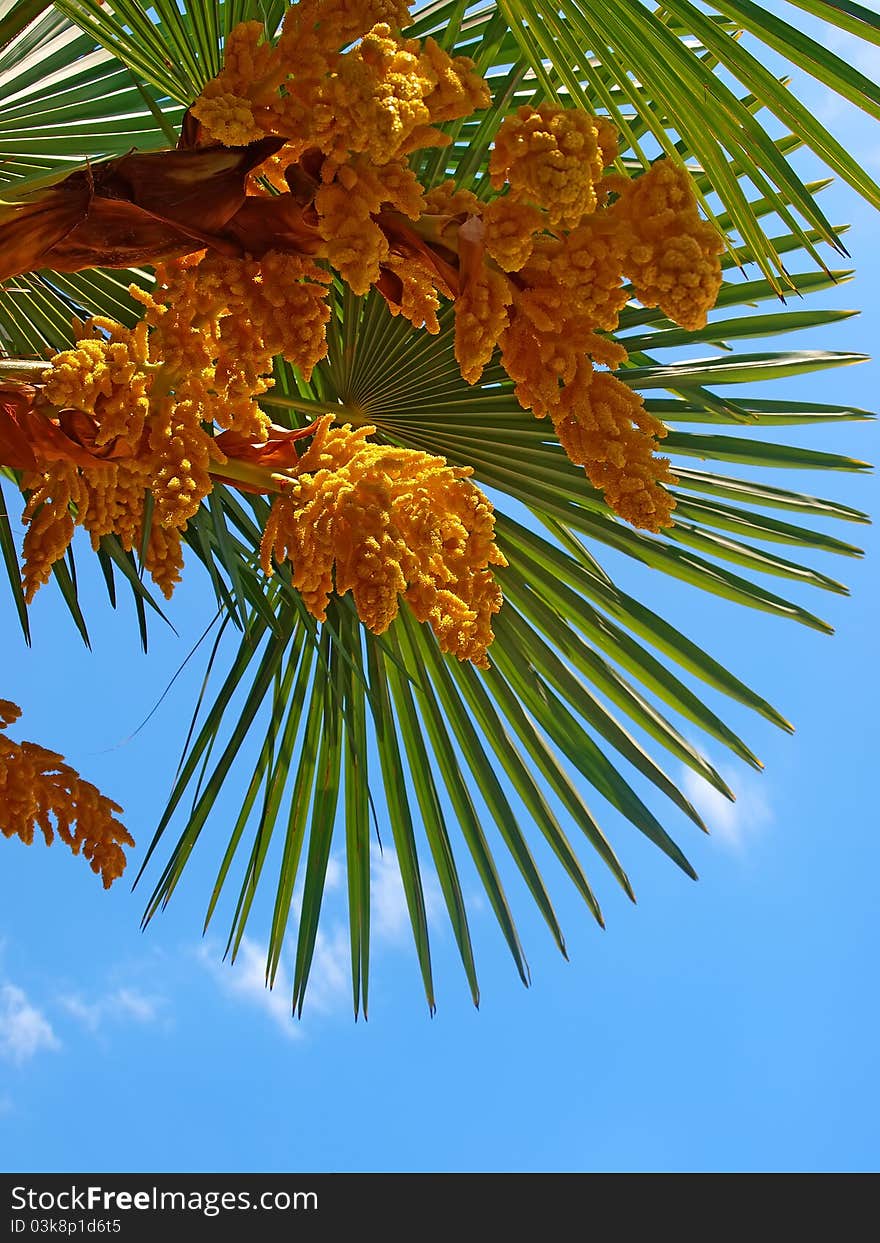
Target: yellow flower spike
389, 522
49, 522
114, 496
183, 453
356, 246
459, 89
603, 426
510, 232
250, 76
384, 97
105, 378
287, 306
551, 156
37, 788
417, 298
240, 377
671, 252
588, 268
250, 64
374, 100
481, 317
272, 306
164, 558
181, 306
218, 322
481, 308
536, 361
333, 24
227, 118
98, 509
448, 200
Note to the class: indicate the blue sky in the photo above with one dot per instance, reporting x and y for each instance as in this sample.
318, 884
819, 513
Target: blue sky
724, 1025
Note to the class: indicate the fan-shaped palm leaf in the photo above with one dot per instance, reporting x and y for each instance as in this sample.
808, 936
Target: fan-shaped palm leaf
349, 726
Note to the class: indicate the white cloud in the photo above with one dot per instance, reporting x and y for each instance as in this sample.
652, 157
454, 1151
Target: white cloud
245, 980
330, 977
123, 1005
389, 915
334, 876
734, 824
24, 1030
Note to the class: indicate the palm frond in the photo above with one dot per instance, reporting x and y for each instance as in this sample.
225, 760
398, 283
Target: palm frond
67, 99
572, 649
590, 688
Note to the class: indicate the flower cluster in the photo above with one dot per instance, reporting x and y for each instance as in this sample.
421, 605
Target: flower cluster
671, 253
537, 271
333, 109
553, 157
352, 115
38, 790
151, 397
542, 272
382, 523
383, 97
347, 207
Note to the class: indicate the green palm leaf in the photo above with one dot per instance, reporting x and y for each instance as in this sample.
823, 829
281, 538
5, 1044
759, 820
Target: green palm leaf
589, 686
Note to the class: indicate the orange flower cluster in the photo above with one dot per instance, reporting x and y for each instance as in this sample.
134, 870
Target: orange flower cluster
384, 522
554, 157
537, 272
152, 396
347, 205
542, 273
108, 379
671, 253
38, 790
382, 97
362, 111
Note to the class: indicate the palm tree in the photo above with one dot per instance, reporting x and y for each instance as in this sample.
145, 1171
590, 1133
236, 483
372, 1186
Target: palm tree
362, 727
